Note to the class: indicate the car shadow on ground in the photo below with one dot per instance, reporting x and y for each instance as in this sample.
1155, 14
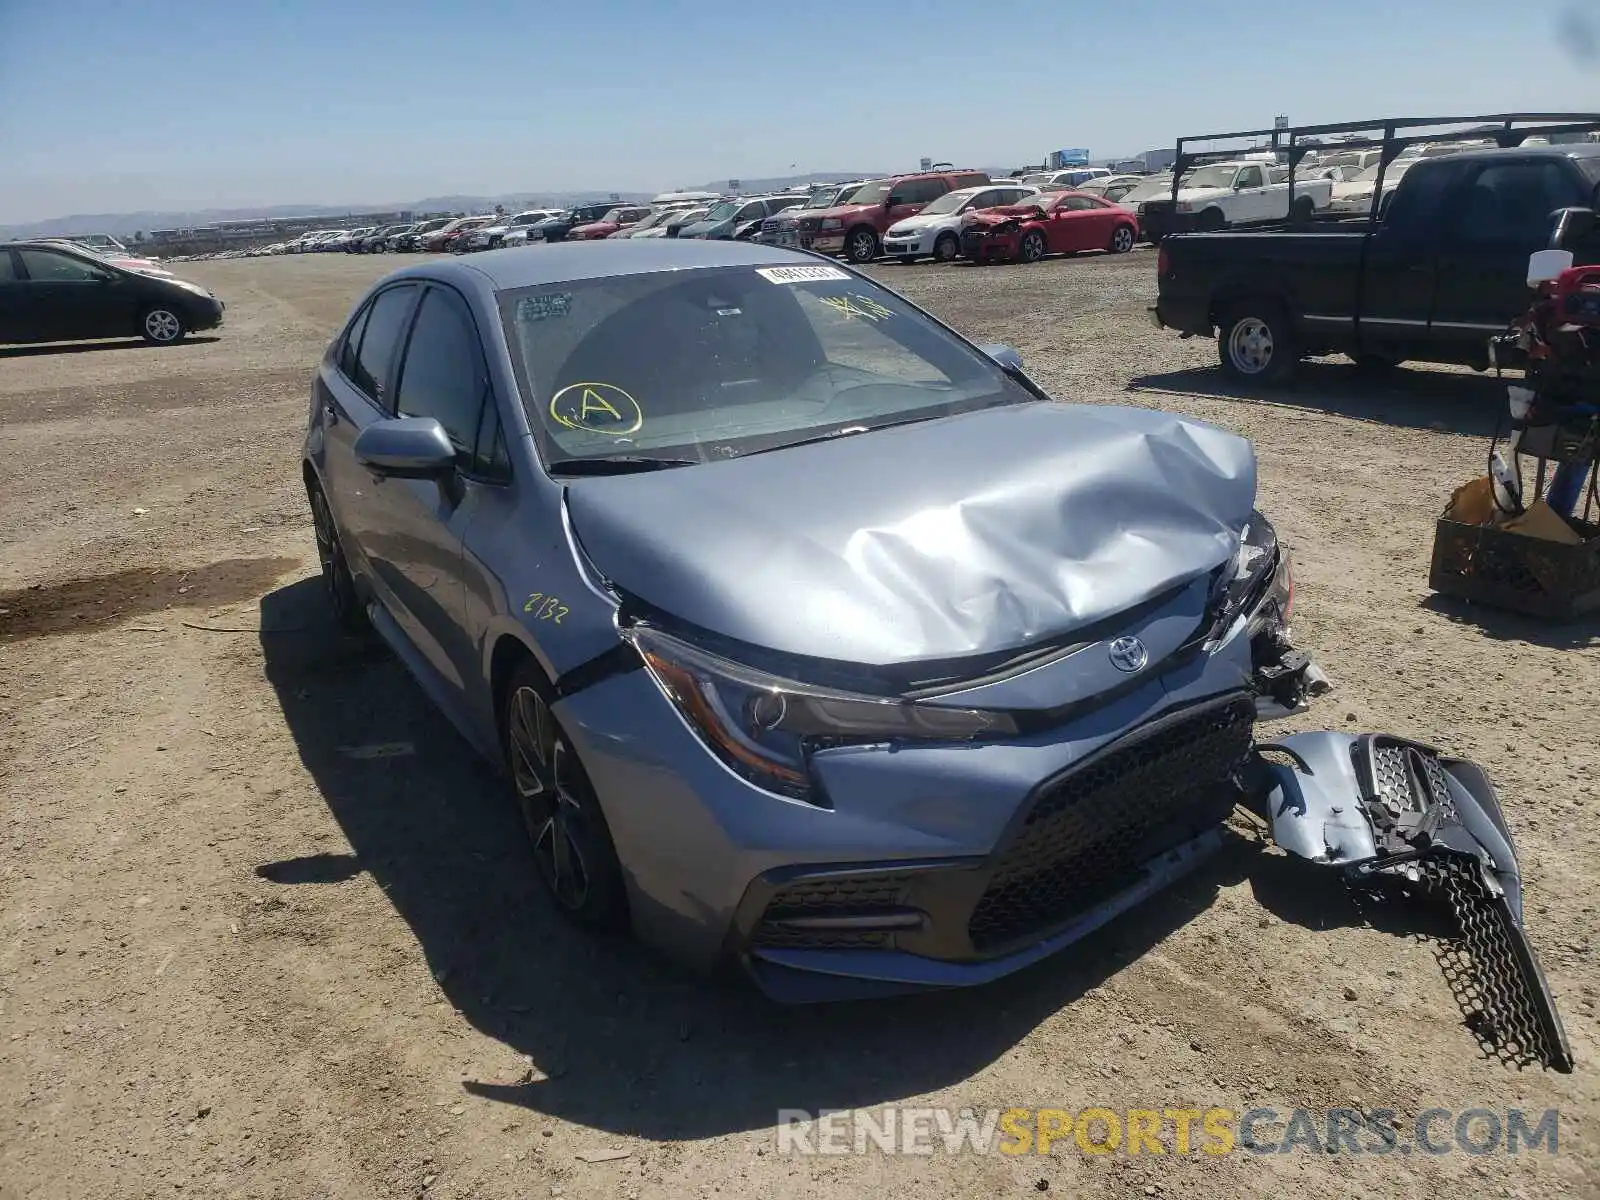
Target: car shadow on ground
616, 1039
35, 349
1449, 401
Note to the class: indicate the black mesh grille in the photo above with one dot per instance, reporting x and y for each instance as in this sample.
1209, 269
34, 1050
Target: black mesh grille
853, 895
1087, 837
1491, 969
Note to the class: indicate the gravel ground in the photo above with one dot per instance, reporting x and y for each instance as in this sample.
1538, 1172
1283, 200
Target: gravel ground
239, 960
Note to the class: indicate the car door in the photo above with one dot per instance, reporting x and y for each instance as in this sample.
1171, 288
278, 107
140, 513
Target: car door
1402, 256
17, 323
355, 390
1250, 201
1503, 217
68, 296
1072, 226
417, 527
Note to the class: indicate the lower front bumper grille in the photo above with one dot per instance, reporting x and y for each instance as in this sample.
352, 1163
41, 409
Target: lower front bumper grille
1082, 839
837, 912
1088, 834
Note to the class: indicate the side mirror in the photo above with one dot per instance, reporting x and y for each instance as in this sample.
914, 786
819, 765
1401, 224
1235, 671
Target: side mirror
1006, 357
406, 448
1572, 225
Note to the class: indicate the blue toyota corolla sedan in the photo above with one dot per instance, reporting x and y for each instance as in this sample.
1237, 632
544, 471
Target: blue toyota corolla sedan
812, 636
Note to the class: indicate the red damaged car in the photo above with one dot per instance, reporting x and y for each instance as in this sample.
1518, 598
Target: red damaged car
618, 218
1049, 223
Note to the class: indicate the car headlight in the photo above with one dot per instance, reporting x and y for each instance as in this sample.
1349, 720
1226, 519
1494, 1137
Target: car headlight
1183, 206
761, 726
832, 223
1257, 584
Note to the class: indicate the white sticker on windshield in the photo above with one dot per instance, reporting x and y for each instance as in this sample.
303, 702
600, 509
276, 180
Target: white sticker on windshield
800, 274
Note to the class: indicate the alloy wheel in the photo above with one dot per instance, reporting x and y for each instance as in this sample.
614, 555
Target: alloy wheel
161, 325
1122, 240
543, 770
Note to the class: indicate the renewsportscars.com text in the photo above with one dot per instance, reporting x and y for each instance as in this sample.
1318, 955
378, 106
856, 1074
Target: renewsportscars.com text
1178, 1131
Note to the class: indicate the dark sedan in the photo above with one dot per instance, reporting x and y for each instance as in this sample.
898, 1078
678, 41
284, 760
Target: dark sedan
49, 293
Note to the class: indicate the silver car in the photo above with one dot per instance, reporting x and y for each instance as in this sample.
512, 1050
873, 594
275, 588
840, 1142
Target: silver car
810, 635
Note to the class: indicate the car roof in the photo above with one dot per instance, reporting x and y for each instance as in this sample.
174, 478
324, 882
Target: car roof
1568, 150
560, 262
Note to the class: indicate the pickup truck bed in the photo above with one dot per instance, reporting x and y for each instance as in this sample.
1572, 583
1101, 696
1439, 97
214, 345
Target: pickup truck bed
1444, 270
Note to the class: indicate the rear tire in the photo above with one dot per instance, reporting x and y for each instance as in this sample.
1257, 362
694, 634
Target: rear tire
1121, 239
861, 246
1256, 343
1212, 221
575, 859
337, 584
1303, 211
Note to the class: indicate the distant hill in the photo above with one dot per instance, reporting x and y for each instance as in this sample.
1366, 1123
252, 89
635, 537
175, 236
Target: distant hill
127, 224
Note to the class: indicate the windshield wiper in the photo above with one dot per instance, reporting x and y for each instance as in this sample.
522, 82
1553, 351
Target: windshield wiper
617, 464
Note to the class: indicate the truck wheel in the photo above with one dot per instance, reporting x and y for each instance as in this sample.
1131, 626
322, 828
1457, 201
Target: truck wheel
1212, 220
1303, 211
1256, 343
862, 245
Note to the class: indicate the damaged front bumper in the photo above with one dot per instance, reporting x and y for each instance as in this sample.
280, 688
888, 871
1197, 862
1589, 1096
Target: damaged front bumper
1399, 819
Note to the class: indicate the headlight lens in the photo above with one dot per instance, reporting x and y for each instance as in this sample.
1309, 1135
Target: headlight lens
760, 726
1258, 584
832, 223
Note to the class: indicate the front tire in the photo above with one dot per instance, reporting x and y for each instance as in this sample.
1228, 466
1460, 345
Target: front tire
1032, 248
1256, 344
161, 326
574, 857
946, 248
861, 247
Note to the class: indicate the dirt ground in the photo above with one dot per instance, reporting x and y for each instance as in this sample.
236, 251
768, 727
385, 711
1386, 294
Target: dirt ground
269, 929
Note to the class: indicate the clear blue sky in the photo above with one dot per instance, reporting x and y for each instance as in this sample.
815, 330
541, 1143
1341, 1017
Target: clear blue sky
115, 106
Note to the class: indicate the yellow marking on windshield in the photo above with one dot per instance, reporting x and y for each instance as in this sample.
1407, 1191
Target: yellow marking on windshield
857, 305
602, 408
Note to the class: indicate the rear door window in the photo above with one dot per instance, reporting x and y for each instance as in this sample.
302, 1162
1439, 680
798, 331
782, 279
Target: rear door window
351, 342
1423, 198
1511, 203
380, 342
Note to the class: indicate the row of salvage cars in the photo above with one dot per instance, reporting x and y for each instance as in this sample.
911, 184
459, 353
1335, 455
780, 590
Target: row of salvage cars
1002, 686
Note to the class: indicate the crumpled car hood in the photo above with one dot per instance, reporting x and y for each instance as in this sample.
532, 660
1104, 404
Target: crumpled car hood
962, 536
990, 217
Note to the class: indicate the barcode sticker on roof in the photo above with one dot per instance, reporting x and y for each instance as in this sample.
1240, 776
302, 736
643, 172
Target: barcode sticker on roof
800, 274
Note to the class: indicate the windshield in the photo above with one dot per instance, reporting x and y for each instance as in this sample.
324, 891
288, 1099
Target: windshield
1150, 189
719, 363
875, 192
821, 197
723, 211
1219, 176
947, 203
1396, 169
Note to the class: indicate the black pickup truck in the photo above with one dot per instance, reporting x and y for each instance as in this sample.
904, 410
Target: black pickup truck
1442, 268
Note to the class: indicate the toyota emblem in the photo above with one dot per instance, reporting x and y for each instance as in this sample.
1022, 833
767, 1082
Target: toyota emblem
1128, 654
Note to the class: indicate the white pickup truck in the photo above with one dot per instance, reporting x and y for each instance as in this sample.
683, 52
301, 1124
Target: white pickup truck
1244, 192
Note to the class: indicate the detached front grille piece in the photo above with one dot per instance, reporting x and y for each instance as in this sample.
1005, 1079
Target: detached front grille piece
1088, 834
1491, 968
1489, 963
